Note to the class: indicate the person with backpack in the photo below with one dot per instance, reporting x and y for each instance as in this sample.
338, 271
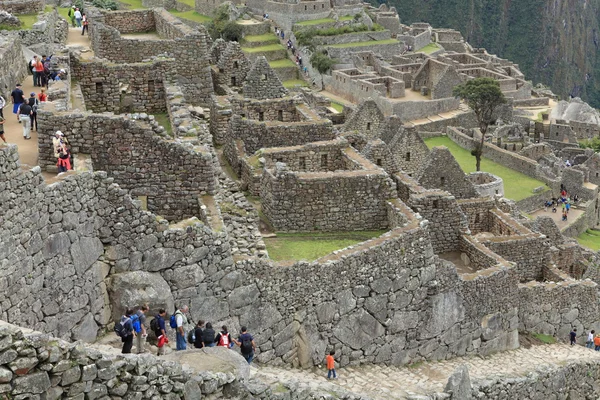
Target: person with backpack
247, 345
24, 114
223, 338
180, 322
124, 329
71, 15
208, 336
140, 328
34, 103
158, 327
84, 21
198, 331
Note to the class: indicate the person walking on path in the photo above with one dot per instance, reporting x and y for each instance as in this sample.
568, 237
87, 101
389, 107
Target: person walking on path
181, 322
223, 338
24, 114
34, 104
43, 97
84, 21
17, 98
208, 336
573, 336
597, 343
71, 15
141, 338
158, 325
127, 331
331, 365
2, 120
590, 340
198, 331
247, 345
78, 17
39, 73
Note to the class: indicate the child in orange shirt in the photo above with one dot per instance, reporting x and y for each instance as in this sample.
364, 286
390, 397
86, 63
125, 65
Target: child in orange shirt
330, 365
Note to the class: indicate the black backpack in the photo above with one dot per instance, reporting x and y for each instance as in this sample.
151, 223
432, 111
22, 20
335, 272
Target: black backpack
154, 325
246, 347
120, 329
191, 337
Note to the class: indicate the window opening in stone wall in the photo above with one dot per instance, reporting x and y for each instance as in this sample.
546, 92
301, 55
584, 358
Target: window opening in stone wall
368, 126
323, 160
261, 116
314, 7
322, 5
407, 157
436, 203
596, 174
497, 191
235, 64
243, 115
221, 70
151, 87
99, 88
264, 77
442, 180
280, 115
305, 8
378, 162
233, 82
302, 163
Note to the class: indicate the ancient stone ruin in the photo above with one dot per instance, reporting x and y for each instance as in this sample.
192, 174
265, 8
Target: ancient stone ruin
190, 152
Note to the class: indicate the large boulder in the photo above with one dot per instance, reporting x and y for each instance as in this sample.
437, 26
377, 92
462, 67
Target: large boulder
212, 359
131, 289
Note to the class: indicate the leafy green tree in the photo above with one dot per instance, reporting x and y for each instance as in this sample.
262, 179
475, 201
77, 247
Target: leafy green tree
322, 63
483, 95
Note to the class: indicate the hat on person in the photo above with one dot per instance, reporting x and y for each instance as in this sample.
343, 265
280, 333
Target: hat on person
32, 94
73, 6
62, 71
18, 84
59, 133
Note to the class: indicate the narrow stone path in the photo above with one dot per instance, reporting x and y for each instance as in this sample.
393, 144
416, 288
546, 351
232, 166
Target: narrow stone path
381, 382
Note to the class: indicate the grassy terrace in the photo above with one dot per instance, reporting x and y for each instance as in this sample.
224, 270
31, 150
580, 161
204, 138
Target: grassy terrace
430, 48
191, 16
27, 21
266, 38
337, 107
271, 47
132, 4
517, 186
283, 63
312, 245
362, 44
323, 21
590, 239
293, 83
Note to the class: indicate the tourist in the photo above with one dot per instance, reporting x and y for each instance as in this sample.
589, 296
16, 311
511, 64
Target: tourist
24, 114
247, 345
198, 343
63, 163
568, 205
590, 340
85, 24
597, 343
71, 16
124, 329
573, 336
57, 141
34, 103
17, 98
181, 322
158, 326
223, 338
43, 97
39, 72
141, 338
564, 215
78, 17
2, 120
208, 336
331, 365
2, 105
32, 64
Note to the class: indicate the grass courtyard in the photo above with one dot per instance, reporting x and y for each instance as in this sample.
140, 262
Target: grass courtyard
590, 239
517, 186
312, 245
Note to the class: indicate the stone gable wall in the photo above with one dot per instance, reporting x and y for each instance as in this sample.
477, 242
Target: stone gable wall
529, 252
22, 6
11, 73
136, 157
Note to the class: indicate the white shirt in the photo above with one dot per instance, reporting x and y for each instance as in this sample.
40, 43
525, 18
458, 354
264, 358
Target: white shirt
590, 337
77, 14
180, 319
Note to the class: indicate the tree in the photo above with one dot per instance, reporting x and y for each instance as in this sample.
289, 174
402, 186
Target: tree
483, 95
322, 63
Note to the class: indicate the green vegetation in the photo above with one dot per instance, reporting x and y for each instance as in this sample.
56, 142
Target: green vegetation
266, 38
271, 47
483, 95
64, 12
164, 120
27, 21
132, 4
312, 245
293, 83
221, 27
593, 143
311, 22
362, 44
547, 339
517, 186
337, 106
48, 8
305, 37
190, 3
322, 63
590, 239
191, 16
283, 63
106, 4
430, 48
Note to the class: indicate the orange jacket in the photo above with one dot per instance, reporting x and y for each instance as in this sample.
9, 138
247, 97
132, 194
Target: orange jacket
330, 362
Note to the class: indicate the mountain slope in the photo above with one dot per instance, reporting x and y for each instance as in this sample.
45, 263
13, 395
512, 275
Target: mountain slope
556, 42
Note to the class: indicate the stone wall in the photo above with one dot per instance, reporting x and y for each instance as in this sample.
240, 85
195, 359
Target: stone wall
11, 73
337, 201
287, 13
49, 29
487, 184
22, 6
344, 53
171, 175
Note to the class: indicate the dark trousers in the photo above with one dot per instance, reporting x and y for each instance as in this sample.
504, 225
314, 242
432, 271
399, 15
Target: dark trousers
85, 28
127, 344
34, 121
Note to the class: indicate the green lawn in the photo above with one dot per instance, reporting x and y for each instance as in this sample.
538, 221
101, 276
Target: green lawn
266, 38
191, 16
164, 120
316, 22
430, 48
517, 186
27, 21
191, 3
362, 44
132, 4
337, 106
310, 246
590, 239
283, 63
293, 83
547, 339
271, 47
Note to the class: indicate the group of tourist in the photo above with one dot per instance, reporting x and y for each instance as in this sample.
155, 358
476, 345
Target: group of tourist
592, 341
564, 200
24, 109
131, 326
78, 19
